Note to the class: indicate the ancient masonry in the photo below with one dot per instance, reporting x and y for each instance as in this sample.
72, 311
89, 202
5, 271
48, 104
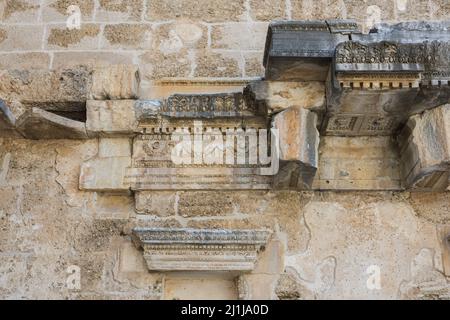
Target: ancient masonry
357, 130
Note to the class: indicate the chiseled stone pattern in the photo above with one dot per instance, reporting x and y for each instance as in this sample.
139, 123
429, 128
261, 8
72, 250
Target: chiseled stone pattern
178, 38
322, 243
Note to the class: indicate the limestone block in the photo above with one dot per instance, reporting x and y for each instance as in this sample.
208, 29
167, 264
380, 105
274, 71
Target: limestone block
298, 148
159, 203
131, 259
199, 249
106, 172
444, 236
280, 95
40, 124
114, 147
110, 117
425, 150
7, 121
115, 82
185, 287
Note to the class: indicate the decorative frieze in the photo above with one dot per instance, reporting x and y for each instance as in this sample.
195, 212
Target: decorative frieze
199, 249
425, 150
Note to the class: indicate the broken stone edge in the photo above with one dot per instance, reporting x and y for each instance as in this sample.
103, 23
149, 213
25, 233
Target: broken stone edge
186, 249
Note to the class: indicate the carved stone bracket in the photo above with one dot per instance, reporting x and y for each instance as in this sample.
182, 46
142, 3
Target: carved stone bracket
199, 249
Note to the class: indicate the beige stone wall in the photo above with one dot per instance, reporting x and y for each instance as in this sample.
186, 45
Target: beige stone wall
322, 246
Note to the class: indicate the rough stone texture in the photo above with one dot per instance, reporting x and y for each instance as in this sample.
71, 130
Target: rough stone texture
124, 36
298, 148
157, 65
241, 36
376, 225
106, 171
18, 37
159, 203
91, 60
115, 83
19, 10
122, 10
425, 147
267, 10
85, 38
167, 249
359, 163
40, 124
56, 10
215, 65
217, 11
325, 241
110, 117
26, 61
279, 95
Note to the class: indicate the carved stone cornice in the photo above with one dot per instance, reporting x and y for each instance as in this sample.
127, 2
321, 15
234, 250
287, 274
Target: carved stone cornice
199, 249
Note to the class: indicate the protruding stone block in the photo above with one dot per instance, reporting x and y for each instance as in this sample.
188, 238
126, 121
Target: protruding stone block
40, 124
298, 148
111, 117
425, 150
199, 249
277, 96
115, 82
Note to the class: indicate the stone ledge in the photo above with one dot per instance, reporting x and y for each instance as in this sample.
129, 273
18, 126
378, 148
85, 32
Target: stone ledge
199, 249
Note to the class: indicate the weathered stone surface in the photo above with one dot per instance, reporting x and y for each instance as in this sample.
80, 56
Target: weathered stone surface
126, 36
268, 10
115, 83
72, 59
302, 50
122, 10
19, 10
425, 150
18, 37
192, 287
157, 65
85, 38
444, 235
59, 90
111, 117
56, 10
178, 36
278, 95
40, 124
298, 148
253, 64
358, 163
243, 36
106, 172
7, 121
25, 61
184, 249
217, 64
210, 11
159, 203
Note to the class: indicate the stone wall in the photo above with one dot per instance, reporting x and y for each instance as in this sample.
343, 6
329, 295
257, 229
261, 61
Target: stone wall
323, 244
177, 38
